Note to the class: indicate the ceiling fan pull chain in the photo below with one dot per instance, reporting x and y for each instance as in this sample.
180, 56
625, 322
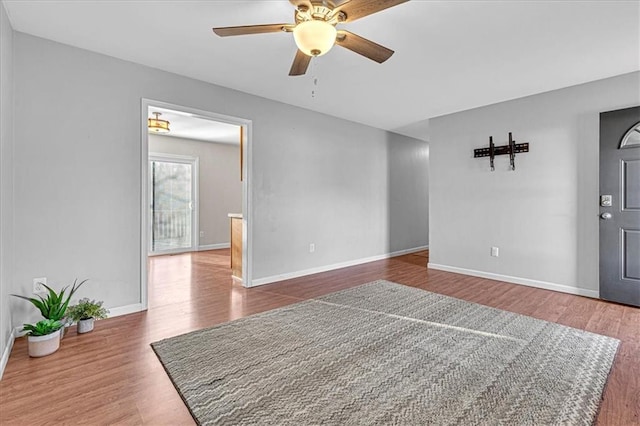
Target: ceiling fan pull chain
314, 79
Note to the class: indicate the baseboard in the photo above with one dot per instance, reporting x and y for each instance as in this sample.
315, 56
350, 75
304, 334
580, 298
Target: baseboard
128, 309
326, 268
113, 312
7, 352
408, 251
517, 280
214, 246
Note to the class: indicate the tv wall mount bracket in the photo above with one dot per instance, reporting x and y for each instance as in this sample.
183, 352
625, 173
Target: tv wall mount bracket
511, 149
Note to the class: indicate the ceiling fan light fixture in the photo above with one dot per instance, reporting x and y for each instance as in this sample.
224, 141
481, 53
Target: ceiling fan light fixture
156, 125
314, 38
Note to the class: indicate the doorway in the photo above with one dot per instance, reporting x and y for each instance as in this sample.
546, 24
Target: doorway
173, 188
176, 229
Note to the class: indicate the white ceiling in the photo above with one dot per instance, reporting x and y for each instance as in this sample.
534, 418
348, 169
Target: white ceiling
189, 126
450, 55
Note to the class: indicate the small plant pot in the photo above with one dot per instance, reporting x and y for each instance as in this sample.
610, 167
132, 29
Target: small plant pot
44, 345
85, 325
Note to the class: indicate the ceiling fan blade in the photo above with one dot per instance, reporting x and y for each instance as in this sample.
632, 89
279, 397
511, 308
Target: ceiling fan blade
362, 46
300, 64
252, 29
356, 9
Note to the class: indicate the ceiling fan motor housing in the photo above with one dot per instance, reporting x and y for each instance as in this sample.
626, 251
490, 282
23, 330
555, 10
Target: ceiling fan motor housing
319, 13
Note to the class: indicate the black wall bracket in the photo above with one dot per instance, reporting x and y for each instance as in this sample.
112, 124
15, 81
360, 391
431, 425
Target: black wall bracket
512, 149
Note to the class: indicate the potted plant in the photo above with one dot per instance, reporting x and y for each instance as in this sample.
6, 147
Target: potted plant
54, 305
85, 313
43, 337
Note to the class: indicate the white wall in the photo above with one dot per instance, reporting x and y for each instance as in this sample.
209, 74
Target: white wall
315, 178
219, 181
6, 181
544, 215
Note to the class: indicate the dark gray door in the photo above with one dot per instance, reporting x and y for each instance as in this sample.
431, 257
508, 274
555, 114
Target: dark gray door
620, 206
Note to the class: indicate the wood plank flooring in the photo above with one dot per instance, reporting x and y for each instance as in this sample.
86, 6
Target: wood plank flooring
112, 376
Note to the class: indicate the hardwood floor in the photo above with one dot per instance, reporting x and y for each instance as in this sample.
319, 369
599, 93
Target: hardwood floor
112, 376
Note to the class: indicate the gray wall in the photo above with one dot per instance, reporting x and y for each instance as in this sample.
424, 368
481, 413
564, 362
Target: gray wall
315, 178
408, 180
6, 176
219, 181
544, 215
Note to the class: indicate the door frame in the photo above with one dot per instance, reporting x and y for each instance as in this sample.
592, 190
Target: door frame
247, 212
195, 200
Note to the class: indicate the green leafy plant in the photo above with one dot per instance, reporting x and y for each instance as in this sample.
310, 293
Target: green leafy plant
42, 328
86, 309
54, 306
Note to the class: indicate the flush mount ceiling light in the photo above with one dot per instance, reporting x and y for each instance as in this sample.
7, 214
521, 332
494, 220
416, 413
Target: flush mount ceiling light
314, 38
157, 125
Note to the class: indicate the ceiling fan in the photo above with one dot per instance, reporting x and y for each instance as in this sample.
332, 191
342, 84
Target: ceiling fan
315, 30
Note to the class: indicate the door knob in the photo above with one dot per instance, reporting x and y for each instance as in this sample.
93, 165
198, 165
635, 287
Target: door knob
606, 216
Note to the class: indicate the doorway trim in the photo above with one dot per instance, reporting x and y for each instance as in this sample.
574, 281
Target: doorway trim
195, 197
247, 213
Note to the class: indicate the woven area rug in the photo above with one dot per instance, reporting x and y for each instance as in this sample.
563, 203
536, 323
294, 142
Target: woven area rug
384, 353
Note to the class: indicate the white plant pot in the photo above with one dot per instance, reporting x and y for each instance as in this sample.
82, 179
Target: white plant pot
85, 325
64, 330
44, 345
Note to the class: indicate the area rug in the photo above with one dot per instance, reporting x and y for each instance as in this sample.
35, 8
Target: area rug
387, 354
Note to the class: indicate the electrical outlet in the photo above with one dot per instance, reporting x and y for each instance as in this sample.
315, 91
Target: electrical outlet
495, 251
312, 248
38, 288
201, 234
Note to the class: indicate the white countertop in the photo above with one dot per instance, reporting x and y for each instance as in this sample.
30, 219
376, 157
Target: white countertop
235, 215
